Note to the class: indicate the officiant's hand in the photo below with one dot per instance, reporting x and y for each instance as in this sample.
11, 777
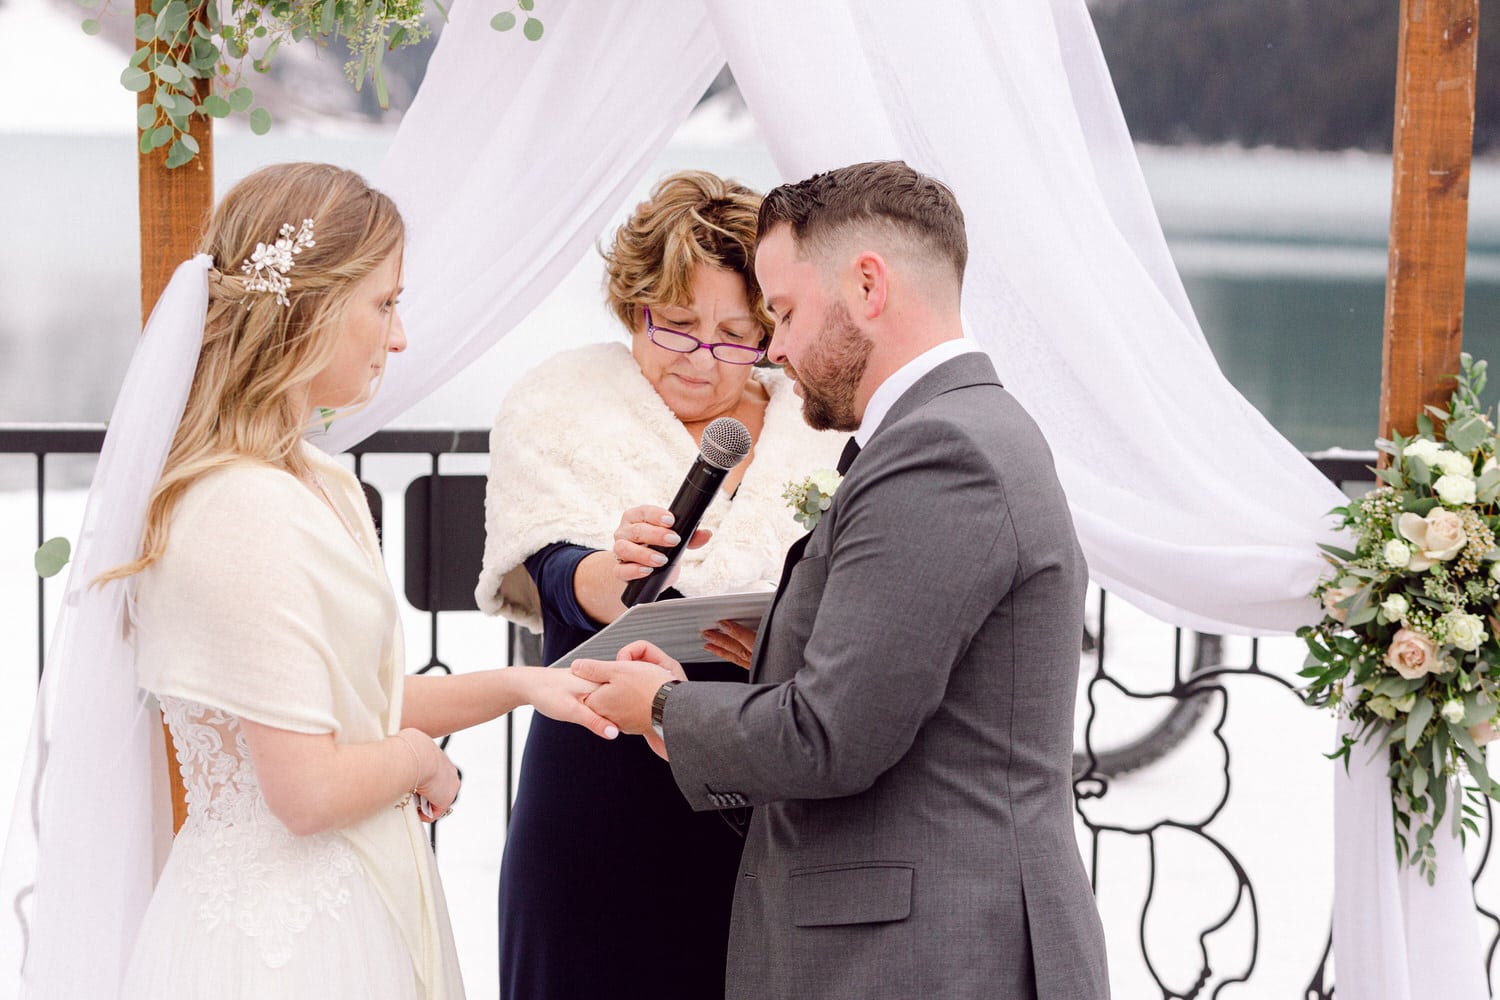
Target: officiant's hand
640, 528
731, 641
627, 686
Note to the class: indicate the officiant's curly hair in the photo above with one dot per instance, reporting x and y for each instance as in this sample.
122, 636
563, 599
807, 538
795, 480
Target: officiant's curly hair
249, 394
690, 218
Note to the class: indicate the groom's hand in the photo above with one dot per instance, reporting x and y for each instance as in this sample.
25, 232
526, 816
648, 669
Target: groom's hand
628, 684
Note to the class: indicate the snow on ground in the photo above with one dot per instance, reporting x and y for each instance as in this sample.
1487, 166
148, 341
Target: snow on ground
1277, 823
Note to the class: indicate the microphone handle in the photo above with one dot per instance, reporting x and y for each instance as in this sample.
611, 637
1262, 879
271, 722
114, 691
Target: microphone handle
692, 499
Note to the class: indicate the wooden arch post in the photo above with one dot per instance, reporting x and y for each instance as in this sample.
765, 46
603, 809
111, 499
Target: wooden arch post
1432, 149
174, 205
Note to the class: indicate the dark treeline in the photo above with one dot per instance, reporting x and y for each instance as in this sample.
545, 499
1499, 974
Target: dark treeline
1306, 74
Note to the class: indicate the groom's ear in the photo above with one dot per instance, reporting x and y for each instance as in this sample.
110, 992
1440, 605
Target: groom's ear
871, 283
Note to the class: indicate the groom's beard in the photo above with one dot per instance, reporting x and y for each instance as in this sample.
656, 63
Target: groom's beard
832, 371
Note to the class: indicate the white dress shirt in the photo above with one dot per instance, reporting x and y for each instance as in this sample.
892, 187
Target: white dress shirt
904, 378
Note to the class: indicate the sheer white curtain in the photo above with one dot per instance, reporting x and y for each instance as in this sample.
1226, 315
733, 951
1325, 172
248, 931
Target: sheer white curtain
1188, 502
511, 159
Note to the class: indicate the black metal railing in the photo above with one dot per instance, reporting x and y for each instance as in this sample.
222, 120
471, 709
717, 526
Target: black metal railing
442, 538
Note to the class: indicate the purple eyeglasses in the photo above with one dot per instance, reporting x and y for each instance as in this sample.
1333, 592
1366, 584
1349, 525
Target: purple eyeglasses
686, 343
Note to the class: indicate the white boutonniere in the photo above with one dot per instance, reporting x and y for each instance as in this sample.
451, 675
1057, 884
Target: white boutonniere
811, 496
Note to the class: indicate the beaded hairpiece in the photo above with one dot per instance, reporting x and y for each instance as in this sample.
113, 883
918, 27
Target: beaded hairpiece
268, 265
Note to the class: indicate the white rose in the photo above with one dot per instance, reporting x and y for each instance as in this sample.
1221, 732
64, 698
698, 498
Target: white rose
1397, 553
1424, 448
1464, 631
1411, 654
1438, 536
1395, 607
826, 480
1453, 711
1455, 490
1451, 463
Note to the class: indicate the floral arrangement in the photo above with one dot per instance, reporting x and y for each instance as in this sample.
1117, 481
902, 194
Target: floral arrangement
1409, 645
191, 54
810, 496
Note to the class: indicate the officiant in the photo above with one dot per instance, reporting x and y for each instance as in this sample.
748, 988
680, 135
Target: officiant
586, 453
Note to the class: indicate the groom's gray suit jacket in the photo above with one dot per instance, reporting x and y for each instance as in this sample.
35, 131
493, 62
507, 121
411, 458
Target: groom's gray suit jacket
906, 738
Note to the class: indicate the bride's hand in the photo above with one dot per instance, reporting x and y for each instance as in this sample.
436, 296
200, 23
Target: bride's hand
559, 694
437, 778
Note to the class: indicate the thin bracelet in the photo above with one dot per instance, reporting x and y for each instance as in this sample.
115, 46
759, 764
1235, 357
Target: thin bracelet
416, 776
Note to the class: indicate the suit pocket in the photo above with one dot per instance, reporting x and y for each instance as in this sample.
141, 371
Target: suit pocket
851, 894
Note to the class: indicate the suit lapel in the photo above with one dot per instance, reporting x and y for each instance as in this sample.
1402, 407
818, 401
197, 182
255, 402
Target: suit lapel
955, 373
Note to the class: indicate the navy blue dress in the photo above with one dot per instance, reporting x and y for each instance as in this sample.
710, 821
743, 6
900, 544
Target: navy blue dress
610, 884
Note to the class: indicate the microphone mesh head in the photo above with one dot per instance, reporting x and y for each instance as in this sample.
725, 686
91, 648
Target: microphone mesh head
725, 443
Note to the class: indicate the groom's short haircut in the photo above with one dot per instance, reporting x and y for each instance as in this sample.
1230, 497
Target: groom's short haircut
915, 209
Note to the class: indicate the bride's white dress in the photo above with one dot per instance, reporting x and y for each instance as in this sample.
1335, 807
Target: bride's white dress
243, 907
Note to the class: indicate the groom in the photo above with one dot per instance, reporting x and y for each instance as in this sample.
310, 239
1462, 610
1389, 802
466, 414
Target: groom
906, 736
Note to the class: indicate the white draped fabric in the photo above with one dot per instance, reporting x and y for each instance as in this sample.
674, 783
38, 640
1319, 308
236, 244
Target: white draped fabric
93, 818
1188, 503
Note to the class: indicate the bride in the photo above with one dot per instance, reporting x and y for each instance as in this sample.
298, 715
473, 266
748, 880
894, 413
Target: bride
264, 626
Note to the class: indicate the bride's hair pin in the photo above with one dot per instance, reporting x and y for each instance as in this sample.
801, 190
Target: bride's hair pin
268, 265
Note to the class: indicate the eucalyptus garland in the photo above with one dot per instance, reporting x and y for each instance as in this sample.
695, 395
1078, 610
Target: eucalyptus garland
184, 43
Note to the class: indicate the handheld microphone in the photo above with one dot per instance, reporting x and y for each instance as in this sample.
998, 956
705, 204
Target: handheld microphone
724, 444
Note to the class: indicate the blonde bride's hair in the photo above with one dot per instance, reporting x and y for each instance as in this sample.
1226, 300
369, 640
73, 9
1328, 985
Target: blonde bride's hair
250, 391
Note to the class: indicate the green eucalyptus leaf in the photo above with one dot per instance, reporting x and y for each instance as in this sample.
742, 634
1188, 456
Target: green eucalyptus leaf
134, 78
1418, 471
215, 106
503, 21
168, 73
1478, 708
52, 556
90, 26
1467, 434
241, 98
165, 100
145, 28
1420, 506
161, 135
178, 155
145, 116
260, 121
526, 5
144, 146
532, 29
1418, 780
1421, 714
191, 143
328, 19
172, 19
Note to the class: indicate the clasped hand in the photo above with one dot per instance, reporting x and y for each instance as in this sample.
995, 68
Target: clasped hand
627, 686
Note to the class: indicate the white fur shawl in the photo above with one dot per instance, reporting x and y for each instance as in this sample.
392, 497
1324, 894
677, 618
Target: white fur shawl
583, 437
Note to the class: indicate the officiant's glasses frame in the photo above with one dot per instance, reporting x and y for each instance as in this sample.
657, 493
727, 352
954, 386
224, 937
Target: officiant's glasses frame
685, 343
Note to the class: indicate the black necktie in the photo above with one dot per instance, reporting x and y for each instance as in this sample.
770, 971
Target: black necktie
851, 452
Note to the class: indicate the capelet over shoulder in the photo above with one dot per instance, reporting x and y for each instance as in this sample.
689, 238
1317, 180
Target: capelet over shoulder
583, 437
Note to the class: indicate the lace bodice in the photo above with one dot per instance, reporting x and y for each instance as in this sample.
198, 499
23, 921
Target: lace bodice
239, 862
